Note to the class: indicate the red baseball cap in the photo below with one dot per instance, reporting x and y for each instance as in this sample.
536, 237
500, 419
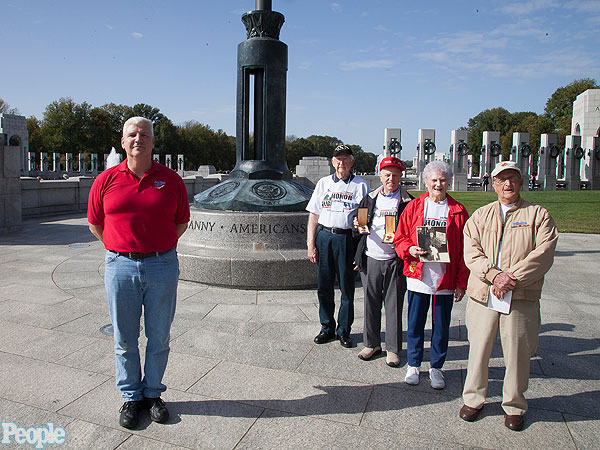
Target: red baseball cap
391, 161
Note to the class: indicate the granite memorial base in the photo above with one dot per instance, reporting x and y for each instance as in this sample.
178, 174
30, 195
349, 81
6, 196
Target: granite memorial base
246, 250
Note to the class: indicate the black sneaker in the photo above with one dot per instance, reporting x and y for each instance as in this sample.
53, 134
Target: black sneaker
158, 411
130, 413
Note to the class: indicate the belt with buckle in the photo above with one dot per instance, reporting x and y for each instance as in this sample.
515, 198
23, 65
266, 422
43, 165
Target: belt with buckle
134, 255
337, 230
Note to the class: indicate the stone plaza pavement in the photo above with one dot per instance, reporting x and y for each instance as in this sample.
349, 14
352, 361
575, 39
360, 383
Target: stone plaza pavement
244, 372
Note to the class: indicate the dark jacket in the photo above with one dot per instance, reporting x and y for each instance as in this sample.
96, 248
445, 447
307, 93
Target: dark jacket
360, 258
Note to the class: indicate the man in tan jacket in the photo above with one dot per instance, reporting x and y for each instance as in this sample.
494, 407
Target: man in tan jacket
509, 247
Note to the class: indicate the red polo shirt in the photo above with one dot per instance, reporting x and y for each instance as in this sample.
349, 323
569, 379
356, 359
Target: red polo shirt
138, 215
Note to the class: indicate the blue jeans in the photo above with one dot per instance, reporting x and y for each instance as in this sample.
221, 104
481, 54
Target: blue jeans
336, 255
131, 284
418, 305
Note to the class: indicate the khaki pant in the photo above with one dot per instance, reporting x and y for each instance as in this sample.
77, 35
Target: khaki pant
519, 336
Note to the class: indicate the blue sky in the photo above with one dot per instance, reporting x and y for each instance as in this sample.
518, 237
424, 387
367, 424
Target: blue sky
355, 66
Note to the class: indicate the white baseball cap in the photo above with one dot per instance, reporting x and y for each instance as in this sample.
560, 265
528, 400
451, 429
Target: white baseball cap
505, 165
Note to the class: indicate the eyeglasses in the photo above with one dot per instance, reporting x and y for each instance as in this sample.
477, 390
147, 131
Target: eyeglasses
512, 179
343, 159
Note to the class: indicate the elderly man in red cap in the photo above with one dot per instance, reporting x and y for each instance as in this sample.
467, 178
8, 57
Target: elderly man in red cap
509, 247
380, 267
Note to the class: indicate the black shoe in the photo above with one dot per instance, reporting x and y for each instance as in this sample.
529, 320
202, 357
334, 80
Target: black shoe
158, 411
323, 337
130, 413
345, 340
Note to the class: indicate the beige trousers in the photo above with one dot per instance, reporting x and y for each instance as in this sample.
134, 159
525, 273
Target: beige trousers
519, 336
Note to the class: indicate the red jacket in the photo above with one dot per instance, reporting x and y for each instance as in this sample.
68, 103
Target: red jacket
406, 236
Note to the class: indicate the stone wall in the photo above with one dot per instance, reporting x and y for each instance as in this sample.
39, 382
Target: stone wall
10, 190
13, 125
51, 197
313, 168
37, 198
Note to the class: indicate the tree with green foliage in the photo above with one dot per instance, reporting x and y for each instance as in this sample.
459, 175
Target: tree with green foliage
365, 162
324, 146
559, 107
533, 124
36, 143
496, 119
6, 109
65, 126
99, 135
165, 133
203, 146
501, 120
116, 114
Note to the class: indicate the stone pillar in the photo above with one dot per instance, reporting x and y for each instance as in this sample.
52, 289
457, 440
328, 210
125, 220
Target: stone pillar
425, 153
156, 158
573, 155
94, 158
31, 162
520, 153
391, 143
469, 166
459, 150
168, 161
547, 161
10, 187
56, 162
81, 163
43, 162
593, 147
490, 152
69, 162
180, 166
105, 161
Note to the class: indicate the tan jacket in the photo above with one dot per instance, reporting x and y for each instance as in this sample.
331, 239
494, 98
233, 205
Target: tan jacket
529, 237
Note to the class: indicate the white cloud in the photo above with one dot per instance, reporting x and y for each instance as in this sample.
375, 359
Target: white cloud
525, 27
304, 65
438, 57
137, 35
367, 64
590, 6
468, 42
524, 8
227, 109
110, 27
381, 28
336, 7
564, 63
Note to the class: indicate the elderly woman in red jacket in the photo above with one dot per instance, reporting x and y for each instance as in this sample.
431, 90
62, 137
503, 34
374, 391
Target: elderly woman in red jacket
438, 276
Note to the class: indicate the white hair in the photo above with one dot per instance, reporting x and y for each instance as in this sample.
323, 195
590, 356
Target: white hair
135, 120
437, 166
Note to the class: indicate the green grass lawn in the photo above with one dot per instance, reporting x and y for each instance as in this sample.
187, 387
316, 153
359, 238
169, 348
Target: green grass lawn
573, 211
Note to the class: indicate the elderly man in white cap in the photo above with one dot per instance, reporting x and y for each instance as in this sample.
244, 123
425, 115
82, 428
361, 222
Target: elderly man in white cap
509, 247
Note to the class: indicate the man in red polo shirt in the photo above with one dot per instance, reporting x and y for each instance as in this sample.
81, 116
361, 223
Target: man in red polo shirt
139, 209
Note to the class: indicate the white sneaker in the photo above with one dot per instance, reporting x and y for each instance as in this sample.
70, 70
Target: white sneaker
412, 375
437, 378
